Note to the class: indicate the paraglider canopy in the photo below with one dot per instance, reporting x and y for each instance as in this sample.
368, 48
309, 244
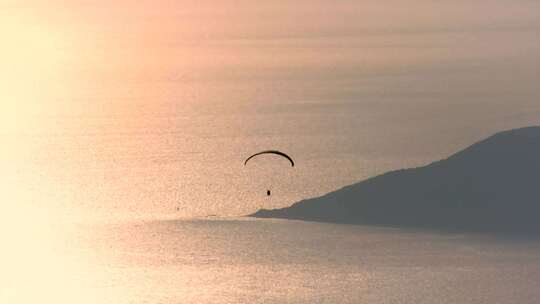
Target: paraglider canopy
271, 152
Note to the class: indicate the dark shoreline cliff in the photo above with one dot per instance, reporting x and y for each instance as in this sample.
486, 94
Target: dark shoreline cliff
491, 186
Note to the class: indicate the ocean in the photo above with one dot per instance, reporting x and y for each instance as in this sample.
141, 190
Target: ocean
242, 260
125, 128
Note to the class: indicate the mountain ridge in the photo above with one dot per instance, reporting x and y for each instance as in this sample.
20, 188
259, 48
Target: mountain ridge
492, 186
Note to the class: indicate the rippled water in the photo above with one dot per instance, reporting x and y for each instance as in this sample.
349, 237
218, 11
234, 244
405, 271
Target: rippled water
150, 109
267, 261
117, 112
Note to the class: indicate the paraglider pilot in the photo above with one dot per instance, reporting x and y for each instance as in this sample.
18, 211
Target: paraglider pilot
268, 193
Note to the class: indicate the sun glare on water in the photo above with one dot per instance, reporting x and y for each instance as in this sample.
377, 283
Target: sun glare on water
36, 261
39, 265
31, 63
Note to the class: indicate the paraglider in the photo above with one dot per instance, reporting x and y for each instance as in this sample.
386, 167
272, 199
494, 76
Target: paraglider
271, 152
276, 152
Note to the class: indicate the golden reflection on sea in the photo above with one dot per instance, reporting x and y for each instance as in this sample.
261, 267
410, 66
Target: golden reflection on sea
40, 263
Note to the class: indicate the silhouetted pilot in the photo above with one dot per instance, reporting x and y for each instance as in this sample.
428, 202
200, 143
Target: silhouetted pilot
268, 192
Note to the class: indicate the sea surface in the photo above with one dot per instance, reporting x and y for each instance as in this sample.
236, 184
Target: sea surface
124, 130
121, 111
241, 260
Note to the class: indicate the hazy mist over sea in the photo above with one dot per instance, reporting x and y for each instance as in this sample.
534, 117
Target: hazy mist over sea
144, 111
140, 110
